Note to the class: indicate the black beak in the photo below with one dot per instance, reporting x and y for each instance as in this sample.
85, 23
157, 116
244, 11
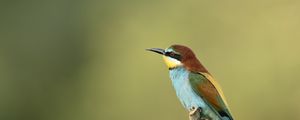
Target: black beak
157, 50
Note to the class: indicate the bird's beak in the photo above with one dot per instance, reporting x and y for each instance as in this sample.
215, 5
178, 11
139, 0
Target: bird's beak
157, 50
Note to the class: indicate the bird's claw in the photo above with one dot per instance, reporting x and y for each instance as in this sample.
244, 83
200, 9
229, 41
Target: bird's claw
193, 110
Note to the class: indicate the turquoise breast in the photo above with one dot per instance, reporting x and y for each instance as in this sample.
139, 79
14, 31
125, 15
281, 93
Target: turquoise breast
186, 94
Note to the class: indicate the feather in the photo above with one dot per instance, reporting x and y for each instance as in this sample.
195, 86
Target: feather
210, 92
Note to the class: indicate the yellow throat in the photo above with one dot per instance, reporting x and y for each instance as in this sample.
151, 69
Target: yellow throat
171, 62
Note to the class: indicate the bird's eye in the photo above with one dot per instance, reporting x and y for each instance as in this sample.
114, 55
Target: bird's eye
172, 54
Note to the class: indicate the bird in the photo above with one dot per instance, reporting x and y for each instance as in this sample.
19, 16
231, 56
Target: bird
195, 87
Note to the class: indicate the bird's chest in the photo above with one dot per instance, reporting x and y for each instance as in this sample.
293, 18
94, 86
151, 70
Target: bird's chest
184, 90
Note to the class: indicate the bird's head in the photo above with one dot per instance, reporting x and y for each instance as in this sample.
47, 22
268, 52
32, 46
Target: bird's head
179, 55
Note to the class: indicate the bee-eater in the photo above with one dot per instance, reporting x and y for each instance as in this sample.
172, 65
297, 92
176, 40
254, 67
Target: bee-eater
196, 89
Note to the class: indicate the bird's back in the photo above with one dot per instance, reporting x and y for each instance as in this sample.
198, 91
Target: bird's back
209, 90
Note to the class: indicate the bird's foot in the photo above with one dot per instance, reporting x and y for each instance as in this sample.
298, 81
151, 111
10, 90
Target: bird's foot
193, 110
194, 113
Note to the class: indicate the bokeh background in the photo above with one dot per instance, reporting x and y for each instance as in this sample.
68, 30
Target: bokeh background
86, 60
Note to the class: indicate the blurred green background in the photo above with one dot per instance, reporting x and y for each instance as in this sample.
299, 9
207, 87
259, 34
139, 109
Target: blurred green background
86, 60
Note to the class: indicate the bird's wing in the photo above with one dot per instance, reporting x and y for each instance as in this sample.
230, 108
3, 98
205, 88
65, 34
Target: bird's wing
208, 89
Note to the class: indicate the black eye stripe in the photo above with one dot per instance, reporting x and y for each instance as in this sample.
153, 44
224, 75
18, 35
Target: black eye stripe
173, 55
